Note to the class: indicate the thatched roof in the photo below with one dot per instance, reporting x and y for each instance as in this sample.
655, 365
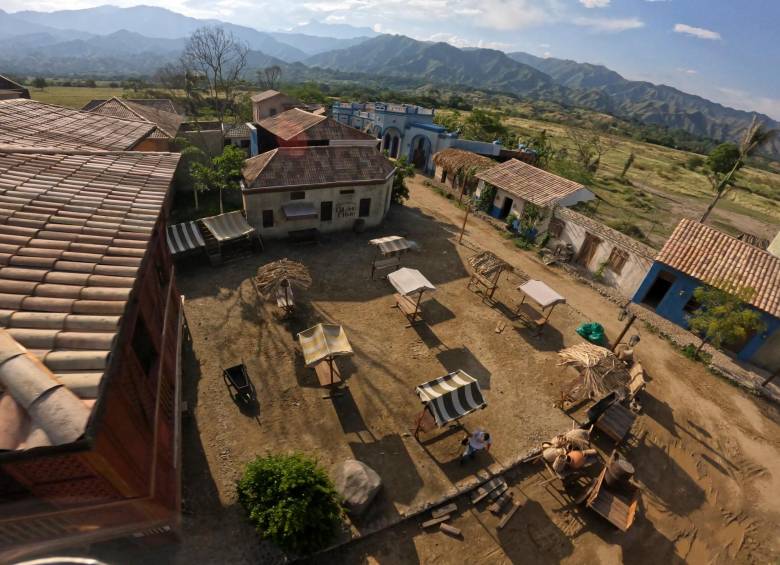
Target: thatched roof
277, 274
458, 159
601, 371
487, 264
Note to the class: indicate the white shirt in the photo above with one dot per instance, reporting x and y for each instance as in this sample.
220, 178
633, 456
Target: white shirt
477, 440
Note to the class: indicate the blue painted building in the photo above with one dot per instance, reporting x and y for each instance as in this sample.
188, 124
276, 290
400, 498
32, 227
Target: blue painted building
695, 255
407, 130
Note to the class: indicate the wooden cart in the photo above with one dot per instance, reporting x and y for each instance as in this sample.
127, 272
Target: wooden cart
617, 506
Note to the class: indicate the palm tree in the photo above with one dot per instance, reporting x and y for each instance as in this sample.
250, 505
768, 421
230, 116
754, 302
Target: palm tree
755, 136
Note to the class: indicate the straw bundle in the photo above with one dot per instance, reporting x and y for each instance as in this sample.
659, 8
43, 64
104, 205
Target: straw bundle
278, 274
601, 371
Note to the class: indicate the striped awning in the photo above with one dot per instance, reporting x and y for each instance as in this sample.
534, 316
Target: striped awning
184, 237
452, 396
225, 227
323, 341
391, 244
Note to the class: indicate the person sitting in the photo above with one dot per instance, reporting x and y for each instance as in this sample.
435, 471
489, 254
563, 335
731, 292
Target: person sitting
477, 441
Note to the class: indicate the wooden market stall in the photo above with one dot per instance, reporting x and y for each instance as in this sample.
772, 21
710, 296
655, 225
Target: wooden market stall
447, 399
275, 281
389, 251
321, 345
487, 270
410, 285
544, 297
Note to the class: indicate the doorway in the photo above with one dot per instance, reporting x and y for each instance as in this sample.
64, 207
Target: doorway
588, 249
506, 207
658, 290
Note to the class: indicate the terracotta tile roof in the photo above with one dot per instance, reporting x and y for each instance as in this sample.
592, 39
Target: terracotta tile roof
162, 104
28, 123
168, 123
238, 131
715, 258
300, 124
529, 183
319, 165
74, 229
265, 95
604, 231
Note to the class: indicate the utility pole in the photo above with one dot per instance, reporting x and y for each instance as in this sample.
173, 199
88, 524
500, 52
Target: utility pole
631, 317
465, 218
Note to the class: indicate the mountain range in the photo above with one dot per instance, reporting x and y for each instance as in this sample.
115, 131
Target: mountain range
110, 41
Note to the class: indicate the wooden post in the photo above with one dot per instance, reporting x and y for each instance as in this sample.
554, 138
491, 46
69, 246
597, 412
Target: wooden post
417, 306
465, 218
770, 378
624, 331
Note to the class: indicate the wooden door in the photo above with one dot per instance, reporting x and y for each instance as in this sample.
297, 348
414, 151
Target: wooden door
588, 249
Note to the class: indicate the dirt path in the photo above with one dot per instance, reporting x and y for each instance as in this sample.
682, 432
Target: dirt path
706, 453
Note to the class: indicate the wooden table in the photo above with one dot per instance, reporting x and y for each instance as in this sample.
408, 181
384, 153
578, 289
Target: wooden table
410, 308
324, 375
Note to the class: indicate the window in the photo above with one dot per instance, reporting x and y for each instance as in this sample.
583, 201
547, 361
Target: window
272, 112
143, 346
617, 259
268, 218
326, 211
348, 191
297, 195
365, 207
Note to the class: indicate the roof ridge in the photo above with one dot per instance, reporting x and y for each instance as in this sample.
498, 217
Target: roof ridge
744, 244
124, 104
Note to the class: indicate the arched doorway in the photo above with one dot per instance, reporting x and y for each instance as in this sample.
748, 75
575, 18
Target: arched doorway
420, 152
391, 142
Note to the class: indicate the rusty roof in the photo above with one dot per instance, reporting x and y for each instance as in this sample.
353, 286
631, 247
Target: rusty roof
317, 165
168, 123
29, 123
458, 159
529, 183
162, 104
303, 125
265, 95
74, 230
718, 259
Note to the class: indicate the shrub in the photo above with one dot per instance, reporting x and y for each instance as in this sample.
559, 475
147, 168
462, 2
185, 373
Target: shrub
694, 162
291, 501
631, 230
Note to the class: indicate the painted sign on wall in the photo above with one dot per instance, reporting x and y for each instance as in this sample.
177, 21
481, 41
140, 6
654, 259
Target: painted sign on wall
346, 209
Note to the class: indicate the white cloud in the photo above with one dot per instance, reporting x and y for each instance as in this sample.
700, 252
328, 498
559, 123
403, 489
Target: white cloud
595, 3
609, 25
461, 42
546, 55
544, 45
744, 100
687, 71
698, 32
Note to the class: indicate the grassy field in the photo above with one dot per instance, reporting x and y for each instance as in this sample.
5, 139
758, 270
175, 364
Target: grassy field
659, 190
73, 96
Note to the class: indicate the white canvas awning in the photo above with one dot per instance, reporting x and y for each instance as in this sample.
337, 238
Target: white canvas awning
392, 244
299, 211
452, 396
409, 281
540, 293
225, 227
323, 341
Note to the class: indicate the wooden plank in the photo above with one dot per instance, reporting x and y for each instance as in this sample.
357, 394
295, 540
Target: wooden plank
529, 313
484, 490
452, 530
435, 521
497, 492
450, 508
323, 373
505, 520
498, 506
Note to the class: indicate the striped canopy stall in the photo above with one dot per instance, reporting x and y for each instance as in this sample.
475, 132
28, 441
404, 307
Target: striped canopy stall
392, 244
451, 397
184, 237
228, 226
323, 342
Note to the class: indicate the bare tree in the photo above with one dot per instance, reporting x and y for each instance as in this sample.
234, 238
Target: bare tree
220, 59
269, 77
755, 136
589, 147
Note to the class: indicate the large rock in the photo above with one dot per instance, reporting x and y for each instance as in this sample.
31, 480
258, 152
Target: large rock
358, 484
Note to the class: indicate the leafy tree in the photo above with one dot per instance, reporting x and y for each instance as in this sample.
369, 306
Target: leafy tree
453, 121
190, 154
404, 170
722, 316
589, 147
486, 198
291, 501
694, 162
627, 165
721, 175
483, 125
222, 173
39, 83
544, 149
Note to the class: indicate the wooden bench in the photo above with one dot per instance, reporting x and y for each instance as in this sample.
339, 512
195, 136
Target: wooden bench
616, 422
480, 280
324, 375
385, 264
408, 307
531, 315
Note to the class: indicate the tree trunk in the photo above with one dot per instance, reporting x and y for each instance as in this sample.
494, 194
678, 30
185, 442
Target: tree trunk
711, 207
701, 346
721, 189
195, 193
221, 209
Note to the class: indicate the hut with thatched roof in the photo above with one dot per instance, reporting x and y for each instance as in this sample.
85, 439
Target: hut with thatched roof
455, 168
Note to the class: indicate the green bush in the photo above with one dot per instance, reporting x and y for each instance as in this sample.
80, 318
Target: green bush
291, 501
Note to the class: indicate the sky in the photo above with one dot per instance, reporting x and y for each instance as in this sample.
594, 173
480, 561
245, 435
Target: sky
724, 50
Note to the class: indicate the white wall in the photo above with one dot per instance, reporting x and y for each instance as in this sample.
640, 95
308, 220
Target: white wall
633, 272
255, 203
581, 195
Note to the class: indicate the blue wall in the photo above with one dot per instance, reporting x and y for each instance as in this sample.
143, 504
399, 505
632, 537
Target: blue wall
673, 303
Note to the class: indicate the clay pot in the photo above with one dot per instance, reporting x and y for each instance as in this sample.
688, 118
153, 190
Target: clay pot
575, 459
559, 465
552, 453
